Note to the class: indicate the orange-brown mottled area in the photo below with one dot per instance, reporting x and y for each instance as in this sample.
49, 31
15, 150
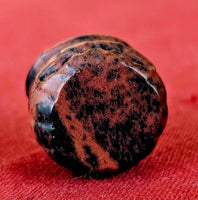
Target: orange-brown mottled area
105, 107
97, 106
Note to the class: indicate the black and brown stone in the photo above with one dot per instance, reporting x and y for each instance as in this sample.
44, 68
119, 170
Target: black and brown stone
97, 106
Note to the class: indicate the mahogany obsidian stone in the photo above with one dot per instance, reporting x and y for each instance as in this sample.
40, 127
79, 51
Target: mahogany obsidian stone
97, 106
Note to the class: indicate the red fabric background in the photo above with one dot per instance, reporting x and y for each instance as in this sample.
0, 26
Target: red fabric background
164, 31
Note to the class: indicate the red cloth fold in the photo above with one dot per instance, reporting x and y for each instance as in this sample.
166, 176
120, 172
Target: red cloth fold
163, 31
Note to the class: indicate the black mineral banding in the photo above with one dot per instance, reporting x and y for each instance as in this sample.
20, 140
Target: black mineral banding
97, 106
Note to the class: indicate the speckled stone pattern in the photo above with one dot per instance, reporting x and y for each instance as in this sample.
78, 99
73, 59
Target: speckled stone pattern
97, 106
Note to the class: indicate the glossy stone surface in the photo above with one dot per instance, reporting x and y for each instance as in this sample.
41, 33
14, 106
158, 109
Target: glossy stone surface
97, 106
